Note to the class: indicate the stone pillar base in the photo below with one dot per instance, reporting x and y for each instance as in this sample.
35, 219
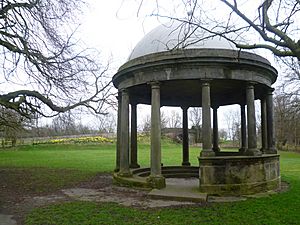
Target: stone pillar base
157, 181
263, 150
253, 152
271, 151
134, 166
186, 163
238, 175
242, 150
207, 153
216, 149
125, 173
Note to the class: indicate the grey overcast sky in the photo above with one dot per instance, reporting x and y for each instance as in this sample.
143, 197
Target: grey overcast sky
114, 28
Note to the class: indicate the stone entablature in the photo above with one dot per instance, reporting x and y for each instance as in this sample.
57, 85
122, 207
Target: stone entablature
196, 64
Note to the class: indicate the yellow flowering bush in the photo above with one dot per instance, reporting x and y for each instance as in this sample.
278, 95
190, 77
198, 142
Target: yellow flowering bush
143, 138
76, 140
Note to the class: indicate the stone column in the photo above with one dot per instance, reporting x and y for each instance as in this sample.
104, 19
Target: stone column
270, 123
251, 121
185, 137
206, 122
124, 139
133, 146
118, 132
156, 180
215, 130
243, 130
263, 110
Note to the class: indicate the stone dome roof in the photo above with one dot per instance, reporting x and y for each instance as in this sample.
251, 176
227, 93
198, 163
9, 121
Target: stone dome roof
174, 35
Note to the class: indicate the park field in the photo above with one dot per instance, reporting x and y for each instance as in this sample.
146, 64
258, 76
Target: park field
41, 169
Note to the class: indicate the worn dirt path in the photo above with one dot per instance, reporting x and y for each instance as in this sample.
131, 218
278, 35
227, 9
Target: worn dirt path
15, 204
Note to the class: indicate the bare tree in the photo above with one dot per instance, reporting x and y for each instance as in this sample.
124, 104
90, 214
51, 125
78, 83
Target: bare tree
233, 122
287, 117
291, 83
174, 120
106, 123
268, 24
276, 22
12, 125
146, 124
195, 116
223, 135
273, 25
64, 124
42, 59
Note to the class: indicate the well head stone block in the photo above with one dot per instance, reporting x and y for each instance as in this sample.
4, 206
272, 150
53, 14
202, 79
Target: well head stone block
238, 175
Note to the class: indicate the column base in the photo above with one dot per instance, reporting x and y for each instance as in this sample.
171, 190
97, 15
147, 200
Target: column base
207, 153
134, 166
253, 152
156, 181
270, 151
242, 150
216, 149
263, 150
185, 163
125, 173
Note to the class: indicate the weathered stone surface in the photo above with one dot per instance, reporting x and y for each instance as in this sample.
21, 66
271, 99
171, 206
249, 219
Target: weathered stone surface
179, 190
236, 175
157, 181
179, 71
7, 220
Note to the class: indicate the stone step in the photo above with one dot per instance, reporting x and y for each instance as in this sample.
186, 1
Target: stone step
181, 175
170, 172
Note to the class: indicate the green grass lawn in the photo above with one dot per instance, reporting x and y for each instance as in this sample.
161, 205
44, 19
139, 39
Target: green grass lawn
92, 158
84, 161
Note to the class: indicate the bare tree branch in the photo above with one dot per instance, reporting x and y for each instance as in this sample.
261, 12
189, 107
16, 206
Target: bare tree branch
37, 46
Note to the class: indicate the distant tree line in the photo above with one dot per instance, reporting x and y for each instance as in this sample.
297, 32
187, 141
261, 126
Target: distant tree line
287, 121
13, 126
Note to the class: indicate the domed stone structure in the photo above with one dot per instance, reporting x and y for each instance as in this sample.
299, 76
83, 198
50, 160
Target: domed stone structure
175, 66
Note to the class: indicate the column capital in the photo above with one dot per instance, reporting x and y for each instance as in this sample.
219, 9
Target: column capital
205, 82
119, 94
133, 103
250, 85
123, 91
215, 107
154, 84
263, 98
270, 91
184, 107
